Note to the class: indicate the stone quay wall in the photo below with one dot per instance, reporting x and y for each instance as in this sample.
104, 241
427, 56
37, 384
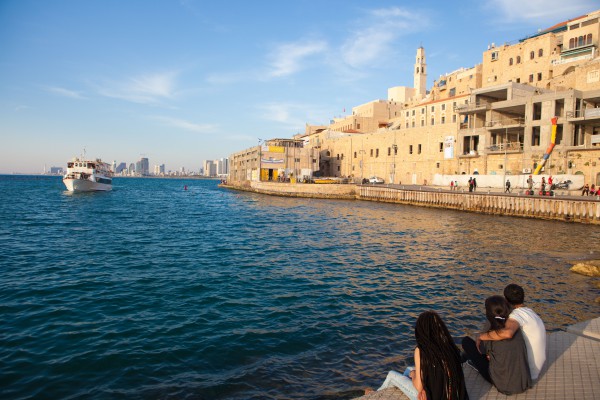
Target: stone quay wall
550, 208
317, 191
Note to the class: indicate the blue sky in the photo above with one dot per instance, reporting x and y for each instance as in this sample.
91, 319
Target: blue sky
185, 81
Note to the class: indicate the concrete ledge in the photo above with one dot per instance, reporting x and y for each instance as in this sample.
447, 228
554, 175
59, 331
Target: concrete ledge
587, 329
309, 190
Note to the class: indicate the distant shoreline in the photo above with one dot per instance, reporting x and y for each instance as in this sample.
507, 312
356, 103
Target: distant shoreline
119, 176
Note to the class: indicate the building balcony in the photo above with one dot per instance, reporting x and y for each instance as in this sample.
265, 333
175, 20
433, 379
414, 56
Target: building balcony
505, 123
469, 154
479, 107
501, 148
586, 115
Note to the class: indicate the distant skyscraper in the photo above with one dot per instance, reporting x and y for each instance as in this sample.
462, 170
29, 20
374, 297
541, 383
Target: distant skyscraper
223, 166
131, 169
210, 168
120, 168
142, 167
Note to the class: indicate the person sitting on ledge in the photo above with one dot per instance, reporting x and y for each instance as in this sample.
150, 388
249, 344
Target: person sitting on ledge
531, 325
438, 372
503, 363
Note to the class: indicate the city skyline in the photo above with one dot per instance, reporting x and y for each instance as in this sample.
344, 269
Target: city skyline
182, 82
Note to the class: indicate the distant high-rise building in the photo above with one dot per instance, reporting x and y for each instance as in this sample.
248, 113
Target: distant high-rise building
210, 168
159, 169
142, 167
57, 170
131, 169
120, 168
223, 166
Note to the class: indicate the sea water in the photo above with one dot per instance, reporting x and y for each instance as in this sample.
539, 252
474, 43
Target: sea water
158, 291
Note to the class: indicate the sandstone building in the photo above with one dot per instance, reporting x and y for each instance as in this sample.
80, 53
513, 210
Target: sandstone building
490, 119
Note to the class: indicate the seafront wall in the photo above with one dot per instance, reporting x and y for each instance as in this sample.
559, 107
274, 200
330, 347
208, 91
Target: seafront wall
576, 209
551, 208
325, 191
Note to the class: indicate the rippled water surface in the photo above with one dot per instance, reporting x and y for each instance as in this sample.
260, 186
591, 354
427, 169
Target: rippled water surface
154, 292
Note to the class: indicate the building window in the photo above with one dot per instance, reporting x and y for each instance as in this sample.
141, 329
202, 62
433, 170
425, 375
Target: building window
407, 113
494, 55
413, 124
407, 125
540, 52
518, 59
354, 154
338, 156
535, 136
338, 168
559, 134
510, 61
437, 165
419, 149
578, 136
532, 55
441, 147
531, 78
539, 76
453, 118
432, 108
537, 111
432, 121
589, 38
443, 121
395, 150
410, 149
376, 153
389, 151
422, 122
371, 152
518, 80
452, 92
422, 110
571, 43
443, 107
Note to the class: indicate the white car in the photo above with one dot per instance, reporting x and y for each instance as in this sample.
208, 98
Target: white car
375, 179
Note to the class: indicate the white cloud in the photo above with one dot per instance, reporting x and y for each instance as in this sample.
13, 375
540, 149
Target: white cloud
64, 92
290, 58
380, 29
292, 116
143, 89
185, 125
542, 11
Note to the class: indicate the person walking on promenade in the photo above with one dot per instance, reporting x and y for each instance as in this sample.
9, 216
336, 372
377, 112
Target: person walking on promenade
455, 185
507, 190
438, 372
503, 363
470, 184
530, 182
550, 180
451, 185
543, 185
531, 325
586, 190
474, 184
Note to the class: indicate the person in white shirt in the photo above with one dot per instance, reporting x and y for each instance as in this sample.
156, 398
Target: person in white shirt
531, 325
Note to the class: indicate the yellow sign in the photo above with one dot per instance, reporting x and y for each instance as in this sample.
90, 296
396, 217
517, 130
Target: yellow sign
276, 149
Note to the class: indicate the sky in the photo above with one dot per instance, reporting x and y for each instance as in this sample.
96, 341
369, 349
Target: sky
183, 81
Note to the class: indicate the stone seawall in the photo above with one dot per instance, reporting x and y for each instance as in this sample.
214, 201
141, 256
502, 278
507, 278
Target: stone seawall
551, 208
317, 191
576, 209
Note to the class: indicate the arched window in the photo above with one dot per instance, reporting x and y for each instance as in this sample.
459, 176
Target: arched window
540, 52
589, 38
571, 43
518, 59
532, 55
581, 41
417, 70
510, 62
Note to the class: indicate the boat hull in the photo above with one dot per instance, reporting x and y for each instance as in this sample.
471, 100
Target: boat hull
85, 185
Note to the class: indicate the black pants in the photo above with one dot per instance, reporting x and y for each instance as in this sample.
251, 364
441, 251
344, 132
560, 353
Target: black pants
479, 360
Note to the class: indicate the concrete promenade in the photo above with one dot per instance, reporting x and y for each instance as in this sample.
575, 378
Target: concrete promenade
572, 370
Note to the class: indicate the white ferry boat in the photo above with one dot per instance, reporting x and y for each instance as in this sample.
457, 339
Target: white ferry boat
87, 175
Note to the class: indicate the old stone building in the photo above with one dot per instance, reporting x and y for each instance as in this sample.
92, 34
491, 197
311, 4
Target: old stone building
494, 118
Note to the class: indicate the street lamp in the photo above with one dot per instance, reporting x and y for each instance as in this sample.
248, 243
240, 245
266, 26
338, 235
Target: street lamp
395, 148
259, 158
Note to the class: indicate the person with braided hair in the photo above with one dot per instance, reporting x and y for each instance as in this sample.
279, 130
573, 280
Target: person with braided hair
438, 372
503, 363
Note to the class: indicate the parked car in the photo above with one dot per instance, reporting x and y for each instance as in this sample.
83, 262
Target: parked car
375, 179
